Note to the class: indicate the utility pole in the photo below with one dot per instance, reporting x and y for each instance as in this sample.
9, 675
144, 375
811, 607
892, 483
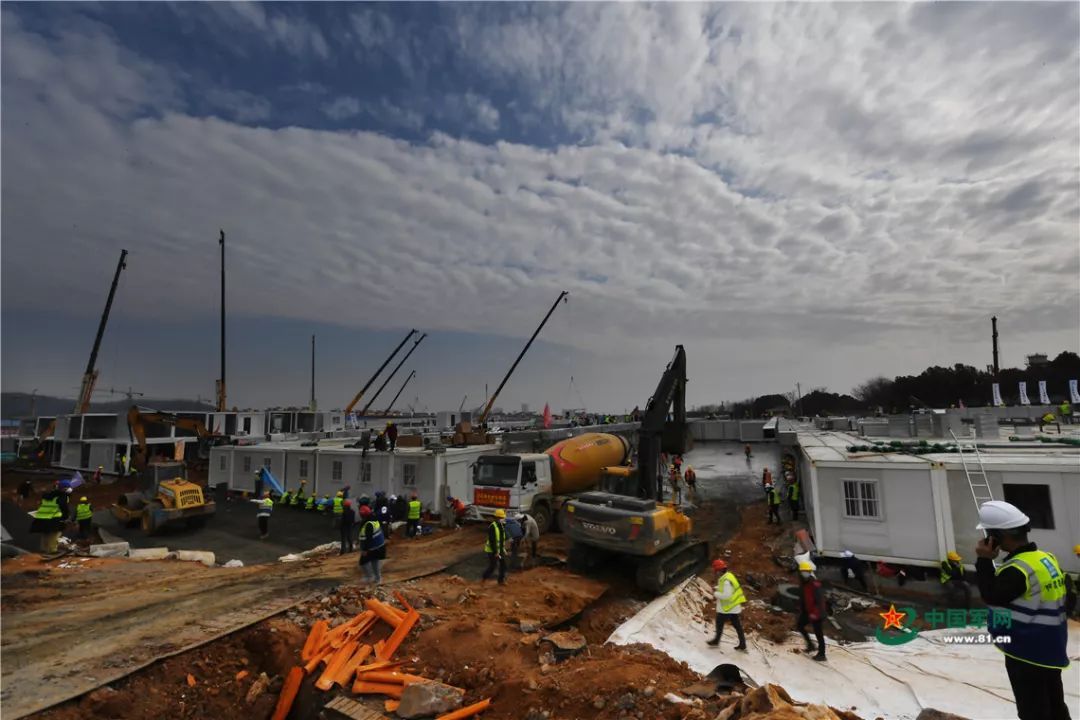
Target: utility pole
994, 337
221, 381
314, 404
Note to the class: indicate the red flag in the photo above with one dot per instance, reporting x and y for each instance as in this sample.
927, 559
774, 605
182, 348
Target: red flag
547, 416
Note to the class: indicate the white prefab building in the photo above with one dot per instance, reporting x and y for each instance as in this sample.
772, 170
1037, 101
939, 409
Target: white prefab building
432, 473
912, 509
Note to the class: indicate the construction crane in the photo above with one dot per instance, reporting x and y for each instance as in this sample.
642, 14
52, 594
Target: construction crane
82, 404
129, 393
463, 433
392, 374
391, 405
355, 400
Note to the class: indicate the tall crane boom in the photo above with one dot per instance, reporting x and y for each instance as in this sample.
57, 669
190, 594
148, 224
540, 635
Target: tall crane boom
391, 405
220, 385
351, 405
86, 390
491, 400
392, 374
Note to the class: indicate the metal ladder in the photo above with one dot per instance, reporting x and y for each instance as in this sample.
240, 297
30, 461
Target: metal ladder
980, 491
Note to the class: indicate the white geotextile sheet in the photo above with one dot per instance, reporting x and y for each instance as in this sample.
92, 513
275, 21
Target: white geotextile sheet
868, 678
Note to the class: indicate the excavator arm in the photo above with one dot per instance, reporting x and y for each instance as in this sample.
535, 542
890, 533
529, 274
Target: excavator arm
138, 419
658, 433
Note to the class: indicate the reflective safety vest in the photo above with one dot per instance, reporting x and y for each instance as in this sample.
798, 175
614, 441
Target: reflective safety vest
286, 498
793, 492
84, 511
298, 498
737, 597
49, 509
414, 510
1066, 409
949, 570
323, 504
377, 539
500, 539
338, 502
310, 505
266, 506
1038, 631
774, 497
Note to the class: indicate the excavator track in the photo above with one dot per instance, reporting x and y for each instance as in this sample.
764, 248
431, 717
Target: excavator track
666, 569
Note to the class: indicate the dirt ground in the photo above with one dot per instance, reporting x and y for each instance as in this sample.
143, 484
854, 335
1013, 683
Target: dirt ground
478, 636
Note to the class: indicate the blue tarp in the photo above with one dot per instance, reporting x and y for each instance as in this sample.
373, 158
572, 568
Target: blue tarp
268, 479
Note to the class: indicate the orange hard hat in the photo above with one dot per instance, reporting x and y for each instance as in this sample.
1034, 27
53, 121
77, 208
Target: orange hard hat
719, 564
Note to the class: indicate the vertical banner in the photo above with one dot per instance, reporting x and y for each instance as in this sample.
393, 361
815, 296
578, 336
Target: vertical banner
997, 395
1023, 394
1043, 397
1073, 393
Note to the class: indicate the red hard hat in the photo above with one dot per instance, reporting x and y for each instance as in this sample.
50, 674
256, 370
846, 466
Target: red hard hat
365, 510
719, 565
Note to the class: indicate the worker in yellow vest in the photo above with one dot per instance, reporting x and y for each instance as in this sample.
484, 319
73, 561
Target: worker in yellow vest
264, 508
729, 601
1026, 595
793, 497
338, 508
957, 591
49, 516
1065, 412
495, 546
772, 497
84, 516
413, 517
298, 498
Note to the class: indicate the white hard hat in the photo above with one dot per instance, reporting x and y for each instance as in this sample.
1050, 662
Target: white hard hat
1000, 515
847, 553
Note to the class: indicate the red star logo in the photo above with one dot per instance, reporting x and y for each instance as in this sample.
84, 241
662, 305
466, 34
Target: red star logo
893, 618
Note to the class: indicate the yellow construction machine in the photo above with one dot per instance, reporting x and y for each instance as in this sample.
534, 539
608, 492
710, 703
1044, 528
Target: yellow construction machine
166, 498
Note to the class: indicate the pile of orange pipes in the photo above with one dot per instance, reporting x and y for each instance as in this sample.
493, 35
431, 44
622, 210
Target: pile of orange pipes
366, 669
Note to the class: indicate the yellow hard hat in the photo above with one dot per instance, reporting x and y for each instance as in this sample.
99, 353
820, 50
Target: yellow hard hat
340, 494
83, 499
501, 514
954, 556
1076, 549
806, 567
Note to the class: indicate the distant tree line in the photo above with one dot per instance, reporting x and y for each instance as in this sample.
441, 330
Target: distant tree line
936, 386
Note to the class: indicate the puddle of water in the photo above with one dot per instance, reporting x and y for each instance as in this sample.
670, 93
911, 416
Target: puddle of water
724, 473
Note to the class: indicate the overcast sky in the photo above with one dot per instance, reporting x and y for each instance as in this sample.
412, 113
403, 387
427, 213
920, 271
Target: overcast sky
811, 193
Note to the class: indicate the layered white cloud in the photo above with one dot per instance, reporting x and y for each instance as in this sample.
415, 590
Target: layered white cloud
764, 181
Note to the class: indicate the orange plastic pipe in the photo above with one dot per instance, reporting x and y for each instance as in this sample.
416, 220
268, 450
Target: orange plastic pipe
344, 677
335, 665
388, 676
392, 705
467, 711
404, 603
398, 636
384, 611
361, 687
314, 639
288, 693
316, 659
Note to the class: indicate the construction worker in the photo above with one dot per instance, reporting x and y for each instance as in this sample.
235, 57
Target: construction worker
49, 517
372, 546
1047, 419
84, 516
532, 535
495, 546
391, 435
811, 609
691, 482
1030, 586
747, 451
338, 506
26, 489
286, 498
676, 487
97, 474
1065, 412
957, 590
345, 524
265, 506
311, 503
766, 477
516, 532
729, 602
1072, 588
413, 518
793, 497
298, 498
772, 498
325, 503
852, 564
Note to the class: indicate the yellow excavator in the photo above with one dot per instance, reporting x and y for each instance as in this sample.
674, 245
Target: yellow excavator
138, 419
629, 518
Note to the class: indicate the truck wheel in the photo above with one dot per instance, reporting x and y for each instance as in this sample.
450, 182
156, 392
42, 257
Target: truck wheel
542, 515
149, 520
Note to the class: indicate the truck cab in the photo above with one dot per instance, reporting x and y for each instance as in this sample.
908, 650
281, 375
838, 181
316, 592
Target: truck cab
514, 483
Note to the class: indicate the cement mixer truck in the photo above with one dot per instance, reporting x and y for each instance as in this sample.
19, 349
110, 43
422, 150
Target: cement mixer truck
541, 483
